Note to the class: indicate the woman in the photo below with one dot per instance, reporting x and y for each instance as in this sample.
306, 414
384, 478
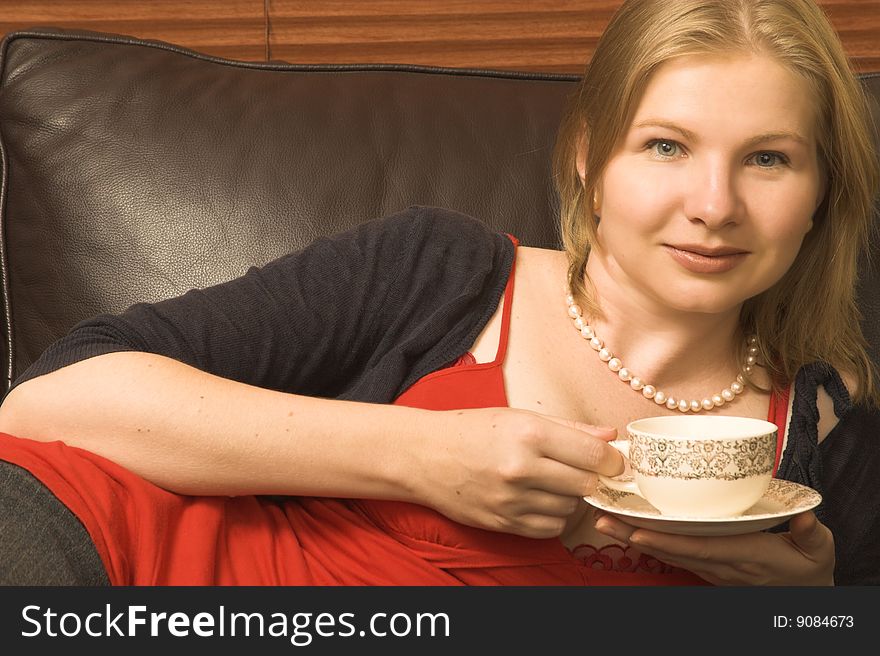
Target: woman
711, 233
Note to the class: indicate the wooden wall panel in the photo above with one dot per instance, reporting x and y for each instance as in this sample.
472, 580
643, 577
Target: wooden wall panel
226, 28
537, 35
858, 23
545, 35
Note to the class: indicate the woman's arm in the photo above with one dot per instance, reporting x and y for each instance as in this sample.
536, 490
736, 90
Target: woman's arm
196, 433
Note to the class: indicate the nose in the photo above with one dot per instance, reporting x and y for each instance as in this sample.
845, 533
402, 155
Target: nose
712, 198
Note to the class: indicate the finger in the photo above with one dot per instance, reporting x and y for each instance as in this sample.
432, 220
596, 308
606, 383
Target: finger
808, 534
690, 549
615, 528
581, 449
680, 545
716, 573
559, 478
728, 560
537, 526
671, 557
538, 502
623, 532
602, 432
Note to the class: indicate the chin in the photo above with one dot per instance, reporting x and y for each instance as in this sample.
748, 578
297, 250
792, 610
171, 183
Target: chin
709, 308
717, 300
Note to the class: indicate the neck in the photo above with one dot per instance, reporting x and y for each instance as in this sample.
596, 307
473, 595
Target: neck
665, 347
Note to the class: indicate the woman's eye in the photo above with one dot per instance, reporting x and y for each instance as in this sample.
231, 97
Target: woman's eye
664, 148
769, 160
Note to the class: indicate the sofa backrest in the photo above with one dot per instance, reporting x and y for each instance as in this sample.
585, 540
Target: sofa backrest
135, 170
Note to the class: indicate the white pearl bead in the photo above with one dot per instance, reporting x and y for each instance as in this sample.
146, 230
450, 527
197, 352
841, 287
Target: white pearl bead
727, 395
740, 379
708, 404
587, 332
717, 400
753, 339
596, 343
696, 406
748, 369
648, 391
659, 397
579, 323
614, 364
624, 375
574, 311
751, 359
605, 355
736, 388
753, 350
569, 299
684, 406
671, 403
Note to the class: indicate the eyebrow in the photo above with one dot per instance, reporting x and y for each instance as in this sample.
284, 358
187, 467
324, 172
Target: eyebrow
757, 139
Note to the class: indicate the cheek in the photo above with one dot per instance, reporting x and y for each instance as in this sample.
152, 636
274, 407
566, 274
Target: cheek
632, 200
785, 220
782, 237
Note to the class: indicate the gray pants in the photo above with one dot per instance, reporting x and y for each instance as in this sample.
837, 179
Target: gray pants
41, 541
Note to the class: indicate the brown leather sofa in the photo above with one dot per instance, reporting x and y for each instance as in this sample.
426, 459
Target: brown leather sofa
134, 170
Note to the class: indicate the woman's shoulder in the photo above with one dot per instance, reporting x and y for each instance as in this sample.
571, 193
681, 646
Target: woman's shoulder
543, 265
540, 278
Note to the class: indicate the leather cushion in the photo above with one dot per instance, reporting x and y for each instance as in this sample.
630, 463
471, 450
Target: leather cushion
135, 170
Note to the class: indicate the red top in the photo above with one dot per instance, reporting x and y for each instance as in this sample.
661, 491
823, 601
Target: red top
148, 536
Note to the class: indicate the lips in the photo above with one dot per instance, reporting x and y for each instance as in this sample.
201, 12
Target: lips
703, 259
709, 251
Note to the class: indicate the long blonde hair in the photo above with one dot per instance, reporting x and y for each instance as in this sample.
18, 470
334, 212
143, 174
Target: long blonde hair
811, 313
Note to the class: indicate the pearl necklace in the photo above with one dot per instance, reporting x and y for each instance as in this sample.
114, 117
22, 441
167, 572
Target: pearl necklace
649, 391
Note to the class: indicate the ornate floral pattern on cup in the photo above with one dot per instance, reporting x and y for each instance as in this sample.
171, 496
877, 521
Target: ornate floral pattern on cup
727, 460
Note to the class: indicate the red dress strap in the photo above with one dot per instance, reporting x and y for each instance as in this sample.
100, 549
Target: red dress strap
467, 383
778, 414
505, 311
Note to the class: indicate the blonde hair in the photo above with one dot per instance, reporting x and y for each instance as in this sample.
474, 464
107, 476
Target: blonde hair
811, 313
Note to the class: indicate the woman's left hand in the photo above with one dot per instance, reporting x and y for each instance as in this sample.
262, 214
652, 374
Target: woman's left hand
802, 556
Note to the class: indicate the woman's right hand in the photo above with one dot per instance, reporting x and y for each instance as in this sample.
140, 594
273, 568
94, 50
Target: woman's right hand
513, 471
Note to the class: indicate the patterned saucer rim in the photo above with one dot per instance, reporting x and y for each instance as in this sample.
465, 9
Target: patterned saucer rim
793, 497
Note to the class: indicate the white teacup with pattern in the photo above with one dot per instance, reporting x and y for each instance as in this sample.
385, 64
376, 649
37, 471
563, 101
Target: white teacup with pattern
701, 466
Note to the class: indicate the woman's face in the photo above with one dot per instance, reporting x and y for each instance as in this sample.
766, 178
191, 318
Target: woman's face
708, 196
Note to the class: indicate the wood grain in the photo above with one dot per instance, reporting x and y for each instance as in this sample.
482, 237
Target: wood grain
526, 35
235, 29
858, 24
546, 35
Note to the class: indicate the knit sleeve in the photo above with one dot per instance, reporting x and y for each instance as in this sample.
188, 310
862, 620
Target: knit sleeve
843, 468
851, 468
314, 322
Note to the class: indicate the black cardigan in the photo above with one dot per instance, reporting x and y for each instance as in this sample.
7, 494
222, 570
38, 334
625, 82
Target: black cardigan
364, 314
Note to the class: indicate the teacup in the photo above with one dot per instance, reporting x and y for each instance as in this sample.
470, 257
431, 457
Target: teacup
700, 466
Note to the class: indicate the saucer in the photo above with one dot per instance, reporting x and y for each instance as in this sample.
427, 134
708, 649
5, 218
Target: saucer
781, 500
